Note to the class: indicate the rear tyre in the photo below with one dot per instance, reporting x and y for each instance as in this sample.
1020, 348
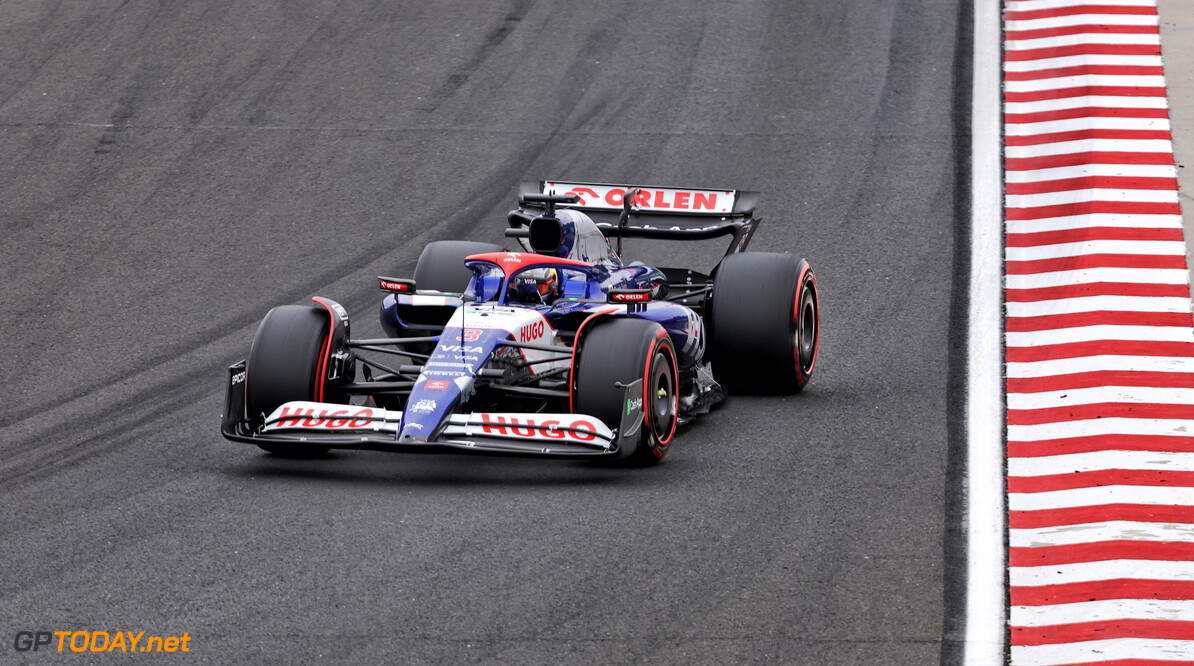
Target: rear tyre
620, 351
441, 268
441, 265
283, 366
764, 323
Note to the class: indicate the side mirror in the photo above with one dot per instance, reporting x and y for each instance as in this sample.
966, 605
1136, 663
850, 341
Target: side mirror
396, 285
635, 300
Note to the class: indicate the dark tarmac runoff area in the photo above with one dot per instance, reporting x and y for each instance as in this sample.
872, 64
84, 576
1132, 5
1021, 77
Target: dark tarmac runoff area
171, 171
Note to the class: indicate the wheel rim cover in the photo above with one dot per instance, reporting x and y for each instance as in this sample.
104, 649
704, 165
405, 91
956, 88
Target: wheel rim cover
806, 329
660, 391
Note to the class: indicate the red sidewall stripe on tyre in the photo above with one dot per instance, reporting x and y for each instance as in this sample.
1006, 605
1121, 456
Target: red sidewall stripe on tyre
321, 367
1099, 342
797, 316
661, 445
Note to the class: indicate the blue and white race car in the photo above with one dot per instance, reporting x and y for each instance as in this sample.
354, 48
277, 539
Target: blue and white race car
558, 349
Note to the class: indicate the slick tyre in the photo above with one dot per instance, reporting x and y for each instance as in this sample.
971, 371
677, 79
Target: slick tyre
764, 323
283, 366
441, 265
617, 352
441, 268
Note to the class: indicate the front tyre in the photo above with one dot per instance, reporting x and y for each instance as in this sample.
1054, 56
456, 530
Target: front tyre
284, 365
616, 352
764, 323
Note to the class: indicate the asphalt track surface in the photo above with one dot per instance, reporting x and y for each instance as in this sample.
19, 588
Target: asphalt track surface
173, 170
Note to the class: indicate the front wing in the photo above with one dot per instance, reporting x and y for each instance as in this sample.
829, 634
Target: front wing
303, 423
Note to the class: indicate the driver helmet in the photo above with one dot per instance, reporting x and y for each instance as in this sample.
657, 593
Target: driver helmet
538, 285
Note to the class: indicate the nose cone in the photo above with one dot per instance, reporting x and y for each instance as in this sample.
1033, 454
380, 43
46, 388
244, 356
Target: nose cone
430, 402
446, 380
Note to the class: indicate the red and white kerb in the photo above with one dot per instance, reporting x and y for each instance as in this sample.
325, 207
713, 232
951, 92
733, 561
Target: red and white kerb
1099, 342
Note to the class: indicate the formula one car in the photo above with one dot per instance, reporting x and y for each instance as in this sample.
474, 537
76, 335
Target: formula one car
559, 349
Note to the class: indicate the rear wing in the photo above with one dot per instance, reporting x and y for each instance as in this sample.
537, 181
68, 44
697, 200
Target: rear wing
650, 212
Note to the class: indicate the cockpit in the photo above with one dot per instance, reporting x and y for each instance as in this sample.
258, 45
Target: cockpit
534, 285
